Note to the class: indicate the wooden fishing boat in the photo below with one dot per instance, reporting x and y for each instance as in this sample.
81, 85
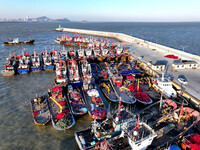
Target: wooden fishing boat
73, 73
76, 100
122, 91
72, 54
55, 56
173, 125
97, 53
40, 109
154, 112
98, 73
63, 54
8, 71
24, 63
9, 68
61, 73
99, 131
81, 53
135, 136
16, 41
61, 115
86, 71
109, 91
94, 102
47, 61
88, 53
35, 62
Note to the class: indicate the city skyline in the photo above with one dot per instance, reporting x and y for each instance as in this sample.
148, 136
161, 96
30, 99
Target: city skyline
91, 10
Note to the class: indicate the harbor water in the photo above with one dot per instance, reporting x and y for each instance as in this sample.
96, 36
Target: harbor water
17, 129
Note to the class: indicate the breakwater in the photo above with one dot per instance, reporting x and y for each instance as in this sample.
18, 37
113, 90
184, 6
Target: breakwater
133, 40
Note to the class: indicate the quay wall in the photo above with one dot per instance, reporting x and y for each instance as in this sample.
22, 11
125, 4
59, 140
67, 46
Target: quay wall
133, 40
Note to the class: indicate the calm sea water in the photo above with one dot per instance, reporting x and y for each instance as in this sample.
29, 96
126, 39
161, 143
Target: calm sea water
17, 129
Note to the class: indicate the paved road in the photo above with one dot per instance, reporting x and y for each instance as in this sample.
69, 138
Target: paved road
149, 55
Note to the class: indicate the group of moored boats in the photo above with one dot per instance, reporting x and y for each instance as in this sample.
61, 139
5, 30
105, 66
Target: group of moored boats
83, 75
76, 92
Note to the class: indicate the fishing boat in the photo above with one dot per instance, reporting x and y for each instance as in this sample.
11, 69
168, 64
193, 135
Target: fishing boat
55, 56
76, 100
40, 110
73, 73
106, 129
97, 52
9, 68
81, 53
154, 112
136, 136
35, 62
164, 85
8, 71
16, 41
94, 102
173, 125
88, 52
72, 54
64, 54
190, 142
24, 63
122, 91
109, 91
47, 61
61, 115
86, 70
61, 73
98, 73
125, 68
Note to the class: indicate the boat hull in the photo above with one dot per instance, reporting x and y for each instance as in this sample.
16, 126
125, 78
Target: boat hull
7, 73
36, 69
23, 71
48, 68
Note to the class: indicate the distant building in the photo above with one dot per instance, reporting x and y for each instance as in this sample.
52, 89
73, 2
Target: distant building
158, 66
185, 65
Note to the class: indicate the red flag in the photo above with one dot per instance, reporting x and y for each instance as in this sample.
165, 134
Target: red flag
51, 44
28, 34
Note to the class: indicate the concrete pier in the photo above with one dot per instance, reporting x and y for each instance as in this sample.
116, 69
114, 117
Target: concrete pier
155, 52
133, 40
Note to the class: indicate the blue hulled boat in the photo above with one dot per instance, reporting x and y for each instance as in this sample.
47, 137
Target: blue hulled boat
35, 62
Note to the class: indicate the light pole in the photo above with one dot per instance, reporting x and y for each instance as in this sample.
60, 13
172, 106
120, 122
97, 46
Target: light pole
183, 47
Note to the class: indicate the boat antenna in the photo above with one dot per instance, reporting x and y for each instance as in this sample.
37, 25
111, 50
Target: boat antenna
161, 100
162, 76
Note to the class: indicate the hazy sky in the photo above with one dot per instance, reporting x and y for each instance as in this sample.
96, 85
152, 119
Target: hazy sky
103, 10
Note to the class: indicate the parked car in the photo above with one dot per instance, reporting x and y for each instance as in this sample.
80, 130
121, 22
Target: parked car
183, 81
